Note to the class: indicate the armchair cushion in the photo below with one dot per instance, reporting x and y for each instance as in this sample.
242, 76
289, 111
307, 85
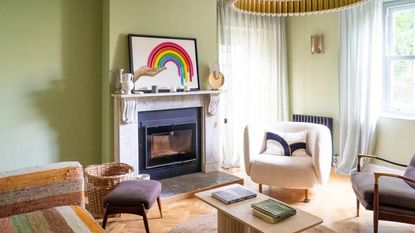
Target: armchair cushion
410, 171
285, 171
393, 192
288, 144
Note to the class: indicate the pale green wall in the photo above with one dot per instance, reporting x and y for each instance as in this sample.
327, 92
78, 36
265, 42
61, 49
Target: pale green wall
314, 78
50, 69
395, 139
314, 85
182, 18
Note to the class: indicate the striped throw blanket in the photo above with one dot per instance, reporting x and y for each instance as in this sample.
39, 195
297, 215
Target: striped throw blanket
41, 187
63, 219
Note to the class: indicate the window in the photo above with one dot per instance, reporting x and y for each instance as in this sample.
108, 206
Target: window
399, 85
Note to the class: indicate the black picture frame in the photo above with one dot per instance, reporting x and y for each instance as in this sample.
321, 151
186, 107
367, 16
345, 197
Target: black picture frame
134, 64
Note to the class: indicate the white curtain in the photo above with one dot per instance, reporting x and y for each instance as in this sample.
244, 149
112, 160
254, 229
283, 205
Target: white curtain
360, 76
252, 55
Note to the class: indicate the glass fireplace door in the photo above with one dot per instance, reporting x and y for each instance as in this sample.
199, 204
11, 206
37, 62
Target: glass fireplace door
171, 144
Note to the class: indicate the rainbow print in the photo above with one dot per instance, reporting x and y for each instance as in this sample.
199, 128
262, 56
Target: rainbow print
172, 52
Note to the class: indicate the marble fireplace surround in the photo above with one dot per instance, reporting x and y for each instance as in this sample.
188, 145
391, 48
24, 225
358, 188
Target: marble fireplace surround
127, 108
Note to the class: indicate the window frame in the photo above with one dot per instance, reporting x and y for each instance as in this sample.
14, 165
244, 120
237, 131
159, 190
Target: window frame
388, 9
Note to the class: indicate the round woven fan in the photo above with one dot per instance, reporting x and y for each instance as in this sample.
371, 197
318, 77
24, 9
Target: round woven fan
216, 78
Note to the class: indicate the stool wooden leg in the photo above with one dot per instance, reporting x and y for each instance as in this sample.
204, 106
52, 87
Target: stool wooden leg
104, 221
260, 188
159, 204
357, 207
145, 220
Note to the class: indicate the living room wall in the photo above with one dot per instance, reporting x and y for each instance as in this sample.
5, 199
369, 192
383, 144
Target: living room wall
182, 18
314, 85
313, 78
50, 69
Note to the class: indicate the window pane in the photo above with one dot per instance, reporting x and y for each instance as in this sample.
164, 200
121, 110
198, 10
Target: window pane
403, 31
402, 90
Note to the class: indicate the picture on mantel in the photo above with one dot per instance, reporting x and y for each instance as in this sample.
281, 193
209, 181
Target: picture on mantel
177, 57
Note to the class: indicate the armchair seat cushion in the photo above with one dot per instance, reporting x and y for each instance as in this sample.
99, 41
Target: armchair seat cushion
283, 171
393, 192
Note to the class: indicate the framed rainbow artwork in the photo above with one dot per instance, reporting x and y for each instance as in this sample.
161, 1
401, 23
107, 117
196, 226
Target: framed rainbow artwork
177, 55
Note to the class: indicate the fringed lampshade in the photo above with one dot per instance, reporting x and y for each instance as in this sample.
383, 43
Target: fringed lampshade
292, 7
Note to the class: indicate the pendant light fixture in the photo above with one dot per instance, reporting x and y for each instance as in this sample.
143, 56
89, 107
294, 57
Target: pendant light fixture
292, 7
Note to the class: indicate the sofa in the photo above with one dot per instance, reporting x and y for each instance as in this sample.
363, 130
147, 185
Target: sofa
46, 198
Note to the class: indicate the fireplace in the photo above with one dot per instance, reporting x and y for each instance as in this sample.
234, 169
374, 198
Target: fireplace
169, 142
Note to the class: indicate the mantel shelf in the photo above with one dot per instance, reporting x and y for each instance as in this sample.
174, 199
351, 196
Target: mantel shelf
167, 94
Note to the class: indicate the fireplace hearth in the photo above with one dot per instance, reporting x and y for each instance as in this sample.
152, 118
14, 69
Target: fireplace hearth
169, 142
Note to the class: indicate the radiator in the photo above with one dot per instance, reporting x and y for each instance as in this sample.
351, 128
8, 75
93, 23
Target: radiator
327, 121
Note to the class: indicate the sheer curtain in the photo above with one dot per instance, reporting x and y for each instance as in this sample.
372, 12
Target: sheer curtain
360, 80
252, 55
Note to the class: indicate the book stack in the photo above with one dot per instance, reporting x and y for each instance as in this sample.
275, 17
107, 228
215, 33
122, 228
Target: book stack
233, 195
272, 211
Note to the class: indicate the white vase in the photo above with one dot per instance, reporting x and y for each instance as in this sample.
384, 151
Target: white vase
128, 84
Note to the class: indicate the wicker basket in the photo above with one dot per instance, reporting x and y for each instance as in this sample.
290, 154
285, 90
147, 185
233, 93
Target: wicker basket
102, 179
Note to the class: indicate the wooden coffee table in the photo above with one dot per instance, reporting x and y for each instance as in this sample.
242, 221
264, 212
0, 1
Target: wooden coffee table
238, 218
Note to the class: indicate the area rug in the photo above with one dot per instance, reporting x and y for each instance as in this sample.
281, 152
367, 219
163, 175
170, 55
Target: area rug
208, 224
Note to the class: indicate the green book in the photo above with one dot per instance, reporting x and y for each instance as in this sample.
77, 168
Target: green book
274, 209
263, 216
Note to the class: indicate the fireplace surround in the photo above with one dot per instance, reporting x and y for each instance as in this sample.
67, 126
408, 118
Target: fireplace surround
129, 108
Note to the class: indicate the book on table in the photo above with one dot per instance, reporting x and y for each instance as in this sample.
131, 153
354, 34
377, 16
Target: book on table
233, 195
272, 211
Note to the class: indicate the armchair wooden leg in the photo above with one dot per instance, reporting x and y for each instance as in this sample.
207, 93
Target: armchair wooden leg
375, 207
306, 199
159, 204
357, 207
260, 188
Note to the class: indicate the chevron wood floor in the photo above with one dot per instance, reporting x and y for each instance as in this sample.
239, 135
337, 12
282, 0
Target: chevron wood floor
335, 203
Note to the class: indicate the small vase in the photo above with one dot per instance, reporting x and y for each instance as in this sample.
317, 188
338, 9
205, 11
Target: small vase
128, 84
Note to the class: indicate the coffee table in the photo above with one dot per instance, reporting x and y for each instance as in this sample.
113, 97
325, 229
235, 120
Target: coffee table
238, 218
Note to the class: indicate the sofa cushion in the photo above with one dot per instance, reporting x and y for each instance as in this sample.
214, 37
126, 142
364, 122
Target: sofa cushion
393, 192
410, 171
132, 193
72, 219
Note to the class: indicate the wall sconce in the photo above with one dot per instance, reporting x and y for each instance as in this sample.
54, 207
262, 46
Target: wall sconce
317, 44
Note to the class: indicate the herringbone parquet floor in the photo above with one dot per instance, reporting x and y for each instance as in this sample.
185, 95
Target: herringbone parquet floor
334, 202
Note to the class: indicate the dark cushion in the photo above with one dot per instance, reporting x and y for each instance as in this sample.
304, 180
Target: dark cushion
410, 171
393, 192
134, 193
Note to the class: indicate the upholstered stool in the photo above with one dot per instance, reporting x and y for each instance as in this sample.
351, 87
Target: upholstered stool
133, 197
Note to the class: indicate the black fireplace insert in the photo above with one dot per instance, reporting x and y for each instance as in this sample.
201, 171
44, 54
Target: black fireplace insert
169, 142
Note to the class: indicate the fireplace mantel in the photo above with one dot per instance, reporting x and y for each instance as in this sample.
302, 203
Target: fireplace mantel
129, 102
127, 108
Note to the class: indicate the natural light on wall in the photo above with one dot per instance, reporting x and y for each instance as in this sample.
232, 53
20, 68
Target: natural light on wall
399, 82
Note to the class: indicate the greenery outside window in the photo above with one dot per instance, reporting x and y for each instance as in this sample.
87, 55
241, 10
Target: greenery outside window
399, 75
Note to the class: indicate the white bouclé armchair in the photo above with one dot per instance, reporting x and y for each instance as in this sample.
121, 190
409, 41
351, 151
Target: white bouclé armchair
292, 172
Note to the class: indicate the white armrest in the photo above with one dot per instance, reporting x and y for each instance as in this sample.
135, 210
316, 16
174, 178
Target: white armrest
254, 143
320, 145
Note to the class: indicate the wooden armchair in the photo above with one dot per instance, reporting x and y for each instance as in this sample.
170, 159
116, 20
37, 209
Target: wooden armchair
391, 198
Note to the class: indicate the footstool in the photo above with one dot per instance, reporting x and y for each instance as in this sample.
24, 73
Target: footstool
133, 197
